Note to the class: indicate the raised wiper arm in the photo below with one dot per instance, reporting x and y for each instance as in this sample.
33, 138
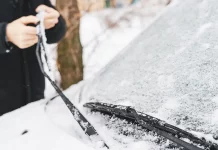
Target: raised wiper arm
162, 128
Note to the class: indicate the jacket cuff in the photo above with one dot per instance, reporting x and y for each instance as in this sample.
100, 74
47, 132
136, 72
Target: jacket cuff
56, 33
5, 46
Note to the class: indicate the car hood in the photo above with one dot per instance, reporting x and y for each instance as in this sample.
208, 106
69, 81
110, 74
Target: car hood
170, 70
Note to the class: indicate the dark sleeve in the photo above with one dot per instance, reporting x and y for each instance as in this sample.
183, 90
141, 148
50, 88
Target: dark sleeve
3, 45
56, 33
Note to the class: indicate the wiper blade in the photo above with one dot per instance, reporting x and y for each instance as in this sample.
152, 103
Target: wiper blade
162, 128
41, 48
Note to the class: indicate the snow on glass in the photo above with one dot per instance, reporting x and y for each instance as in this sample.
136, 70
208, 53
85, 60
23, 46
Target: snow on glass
170, 71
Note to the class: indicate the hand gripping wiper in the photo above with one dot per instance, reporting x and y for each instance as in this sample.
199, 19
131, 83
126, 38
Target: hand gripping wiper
78, 116
156, 125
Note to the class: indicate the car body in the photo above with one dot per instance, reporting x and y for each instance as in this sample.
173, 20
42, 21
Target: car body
170, 72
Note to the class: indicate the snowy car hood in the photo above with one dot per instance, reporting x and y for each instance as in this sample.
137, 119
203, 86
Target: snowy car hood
170, 70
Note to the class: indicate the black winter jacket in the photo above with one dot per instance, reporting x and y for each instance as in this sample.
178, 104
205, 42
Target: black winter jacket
21, 80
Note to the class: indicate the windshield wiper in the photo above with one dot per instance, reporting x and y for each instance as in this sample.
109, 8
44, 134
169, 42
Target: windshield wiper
41, 48
162, 128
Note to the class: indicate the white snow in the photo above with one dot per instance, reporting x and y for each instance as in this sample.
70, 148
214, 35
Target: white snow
215, 117
215, 99
42, 133
167, 85
51, 125
105, 33
52, 57
172, 69
204, 28
140, 146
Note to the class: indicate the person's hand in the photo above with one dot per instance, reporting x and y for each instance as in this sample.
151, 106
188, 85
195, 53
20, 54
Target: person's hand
51, 16
20, 34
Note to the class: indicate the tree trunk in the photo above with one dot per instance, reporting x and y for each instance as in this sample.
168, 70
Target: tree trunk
70, 63
113, 3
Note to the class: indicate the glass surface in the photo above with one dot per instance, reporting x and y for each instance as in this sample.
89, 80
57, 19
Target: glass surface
170, 71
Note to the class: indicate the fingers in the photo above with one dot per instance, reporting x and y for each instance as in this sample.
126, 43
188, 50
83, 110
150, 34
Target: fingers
44, 8
30, 37
29, 20
30, 30
19, 33
52, 15
28, 42
49, 26
52, 21
31, 42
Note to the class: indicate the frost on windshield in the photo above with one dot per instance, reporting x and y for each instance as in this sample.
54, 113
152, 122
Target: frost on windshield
171, 70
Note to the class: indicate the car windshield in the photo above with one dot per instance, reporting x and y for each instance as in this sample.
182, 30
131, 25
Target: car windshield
170, 71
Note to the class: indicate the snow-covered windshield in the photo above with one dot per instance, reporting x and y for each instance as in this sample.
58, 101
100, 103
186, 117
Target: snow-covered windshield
170, 70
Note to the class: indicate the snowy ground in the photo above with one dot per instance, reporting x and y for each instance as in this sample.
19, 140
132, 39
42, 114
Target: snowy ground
104, 34
53, 127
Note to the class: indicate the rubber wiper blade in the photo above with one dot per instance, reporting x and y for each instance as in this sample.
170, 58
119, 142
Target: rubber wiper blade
162, 128
41, 48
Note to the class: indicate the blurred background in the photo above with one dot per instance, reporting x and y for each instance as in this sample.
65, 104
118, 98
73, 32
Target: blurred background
97, 30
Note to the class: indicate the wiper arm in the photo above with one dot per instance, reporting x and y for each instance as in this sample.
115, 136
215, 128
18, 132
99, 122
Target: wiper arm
162, 128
